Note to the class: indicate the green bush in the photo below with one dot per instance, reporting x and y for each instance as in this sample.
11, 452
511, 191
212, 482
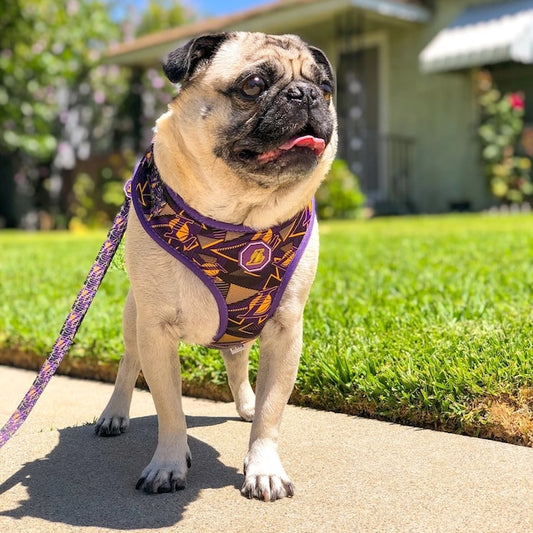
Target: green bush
339, 196
98, 189
502, 122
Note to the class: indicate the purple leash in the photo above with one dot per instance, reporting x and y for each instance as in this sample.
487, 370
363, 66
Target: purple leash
72, 322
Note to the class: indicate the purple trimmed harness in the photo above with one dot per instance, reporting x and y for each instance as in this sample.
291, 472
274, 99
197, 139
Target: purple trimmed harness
246, 270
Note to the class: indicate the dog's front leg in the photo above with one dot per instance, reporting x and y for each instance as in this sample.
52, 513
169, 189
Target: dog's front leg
160, 364
237, 370
115, 418
281, 344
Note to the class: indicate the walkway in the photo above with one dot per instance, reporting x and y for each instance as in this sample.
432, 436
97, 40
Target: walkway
351, 474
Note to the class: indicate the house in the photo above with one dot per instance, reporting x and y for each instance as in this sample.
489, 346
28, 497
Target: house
406, 76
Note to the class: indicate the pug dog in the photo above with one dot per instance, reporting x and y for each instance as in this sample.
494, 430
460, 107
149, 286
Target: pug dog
222, 246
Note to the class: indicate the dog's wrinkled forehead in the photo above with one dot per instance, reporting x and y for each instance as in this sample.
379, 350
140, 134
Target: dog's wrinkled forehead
245, 50
290, 47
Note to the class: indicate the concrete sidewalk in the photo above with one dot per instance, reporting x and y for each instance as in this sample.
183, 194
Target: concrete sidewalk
351, 474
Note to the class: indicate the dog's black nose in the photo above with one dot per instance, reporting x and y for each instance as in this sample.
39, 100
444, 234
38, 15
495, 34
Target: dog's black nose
302, 92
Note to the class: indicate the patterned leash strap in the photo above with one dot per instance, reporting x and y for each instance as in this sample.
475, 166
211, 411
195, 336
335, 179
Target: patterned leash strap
71, 324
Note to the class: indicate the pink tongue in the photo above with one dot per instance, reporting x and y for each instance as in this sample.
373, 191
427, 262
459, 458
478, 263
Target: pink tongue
307, 141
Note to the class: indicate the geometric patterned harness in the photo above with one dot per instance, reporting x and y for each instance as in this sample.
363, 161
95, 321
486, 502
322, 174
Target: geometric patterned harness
245, 270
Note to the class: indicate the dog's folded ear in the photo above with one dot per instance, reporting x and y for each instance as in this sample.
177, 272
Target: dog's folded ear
182, 63
322, 60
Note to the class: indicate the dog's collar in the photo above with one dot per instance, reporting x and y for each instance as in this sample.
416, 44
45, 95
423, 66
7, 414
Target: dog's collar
246, 270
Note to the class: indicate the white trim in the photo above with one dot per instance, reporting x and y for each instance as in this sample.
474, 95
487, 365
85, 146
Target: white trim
482, 35
388, 8
280, 18
295, 15
292, 16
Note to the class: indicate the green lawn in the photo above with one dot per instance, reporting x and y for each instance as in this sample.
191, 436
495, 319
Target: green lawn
423, 320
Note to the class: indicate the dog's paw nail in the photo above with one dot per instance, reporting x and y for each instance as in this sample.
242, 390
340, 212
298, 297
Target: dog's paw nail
247, 491
178, 484
290, 490
189, 462
149, 488
111, 427
163, 478
267, 488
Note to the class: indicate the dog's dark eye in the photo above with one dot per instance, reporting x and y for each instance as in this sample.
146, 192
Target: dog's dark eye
327, 90
253, 86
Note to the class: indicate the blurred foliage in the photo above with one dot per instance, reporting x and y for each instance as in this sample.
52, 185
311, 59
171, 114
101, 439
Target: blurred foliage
98, 191
339, 196
43, 53
502, 123
143, 96
162, 14
60, 108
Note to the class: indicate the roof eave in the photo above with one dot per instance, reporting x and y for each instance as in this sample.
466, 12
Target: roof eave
145, 48
277, 17
400, 11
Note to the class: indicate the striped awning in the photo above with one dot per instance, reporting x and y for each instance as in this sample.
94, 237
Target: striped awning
483, 35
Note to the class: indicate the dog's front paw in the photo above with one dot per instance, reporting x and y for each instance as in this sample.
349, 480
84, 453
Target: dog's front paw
164, 476
264, 475
111, 426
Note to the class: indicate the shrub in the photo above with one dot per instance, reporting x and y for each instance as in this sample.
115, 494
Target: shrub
339, 196
98, 189
509, 175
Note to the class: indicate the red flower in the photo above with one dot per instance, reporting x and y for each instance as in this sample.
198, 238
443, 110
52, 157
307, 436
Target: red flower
517, 101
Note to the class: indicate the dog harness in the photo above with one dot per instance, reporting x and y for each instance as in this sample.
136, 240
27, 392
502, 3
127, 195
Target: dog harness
245, 270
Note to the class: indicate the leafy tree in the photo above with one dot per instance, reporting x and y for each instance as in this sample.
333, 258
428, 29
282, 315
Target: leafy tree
161, 15
47, 49
96, 193
43, 51
60, 106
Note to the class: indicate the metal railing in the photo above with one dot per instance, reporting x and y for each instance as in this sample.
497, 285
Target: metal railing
397, 152
384, 164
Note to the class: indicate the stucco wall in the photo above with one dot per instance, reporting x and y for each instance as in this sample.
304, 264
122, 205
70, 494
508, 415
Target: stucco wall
438, 110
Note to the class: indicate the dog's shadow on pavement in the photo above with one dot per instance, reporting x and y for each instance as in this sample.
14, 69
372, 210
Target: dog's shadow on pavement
90, 481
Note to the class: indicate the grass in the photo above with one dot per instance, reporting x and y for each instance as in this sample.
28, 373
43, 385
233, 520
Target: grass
422, 320
430, 320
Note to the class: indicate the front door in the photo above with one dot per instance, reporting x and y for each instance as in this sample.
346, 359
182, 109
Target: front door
358, 110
